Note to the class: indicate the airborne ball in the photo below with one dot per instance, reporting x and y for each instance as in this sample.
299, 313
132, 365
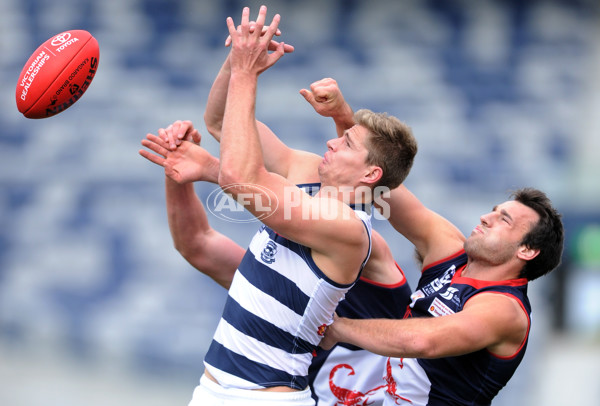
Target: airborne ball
57, 74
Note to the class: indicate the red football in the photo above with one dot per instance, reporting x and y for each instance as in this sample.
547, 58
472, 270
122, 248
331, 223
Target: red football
57, 74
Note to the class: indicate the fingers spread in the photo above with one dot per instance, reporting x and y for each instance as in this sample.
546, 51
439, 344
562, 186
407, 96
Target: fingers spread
260, 20
245, 21
152, 157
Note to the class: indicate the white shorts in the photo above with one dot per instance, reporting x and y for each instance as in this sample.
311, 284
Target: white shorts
210, 393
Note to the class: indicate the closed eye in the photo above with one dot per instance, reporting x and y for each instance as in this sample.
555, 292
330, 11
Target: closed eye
349, 142
506, 217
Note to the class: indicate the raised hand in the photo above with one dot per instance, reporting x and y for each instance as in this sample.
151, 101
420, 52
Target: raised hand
325, 97
179, 131
287, 48
250, 48
188, 162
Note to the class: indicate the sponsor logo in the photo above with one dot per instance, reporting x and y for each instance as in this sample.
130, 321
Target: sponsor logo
63, 41
74, 88
449, 293
31, 73
438, 308
53, 108
60, 39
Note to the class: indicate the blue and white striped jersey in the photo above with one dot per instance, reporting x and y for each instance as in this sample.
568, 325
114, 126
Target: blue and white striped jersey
278, 306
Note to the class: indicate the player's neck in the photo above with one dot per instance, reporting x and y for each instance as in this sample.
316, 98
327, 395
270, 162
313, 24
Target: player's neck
485, 271
349, 195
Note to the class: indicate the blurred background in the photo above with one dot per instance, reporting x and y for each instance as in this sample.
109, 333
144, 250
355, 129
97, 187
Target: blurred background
97, 307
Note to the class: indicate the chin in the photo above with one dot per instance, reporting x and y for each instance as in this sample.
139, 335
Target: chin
470, 247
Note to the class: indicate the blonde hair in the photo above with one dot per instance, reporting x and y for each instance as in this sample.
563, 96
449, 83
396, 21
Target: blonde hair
391, 146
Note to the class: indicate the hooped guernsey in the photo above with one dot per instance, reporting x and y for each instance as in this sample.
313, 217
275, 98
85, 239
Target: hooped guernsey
470, 379
275, 315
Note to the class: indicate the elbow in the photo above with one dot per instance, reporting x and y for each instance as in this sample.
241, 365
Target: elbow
418, 346
424, 347
239, 172
229, 176
213, 126
182, 248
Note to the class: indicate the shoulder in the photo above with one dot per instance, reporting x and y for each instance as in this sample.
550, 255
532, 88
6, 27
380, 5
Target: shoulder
506, 318
303, 167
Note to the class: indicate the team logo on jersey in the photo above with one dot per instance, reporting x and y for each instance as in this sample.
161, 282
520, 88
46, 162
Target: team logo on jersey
392, 386
268, 253
322, 329
439, 283
349, 397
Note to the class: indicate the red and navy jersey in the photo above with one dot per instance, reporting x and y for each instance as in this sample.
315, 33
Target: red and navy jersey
347, 374
470, 379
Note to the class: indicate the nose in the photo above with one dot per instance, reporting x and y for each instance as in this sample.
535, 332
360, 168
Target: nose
332, 143
486, 219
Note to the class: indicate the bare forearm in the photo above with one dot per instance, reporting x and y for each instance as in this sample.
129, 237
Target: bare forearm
241, 154
201, 246
343, 120
380, 336
186, 215
433, 236
215, 104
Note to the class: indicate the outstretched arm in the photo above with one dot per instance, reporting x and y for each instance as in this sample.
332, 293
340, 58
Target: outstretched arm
330, 228
296, 165
327, 100
433, 236
489, 320
217, 97
278, 157
240, 137
204, 248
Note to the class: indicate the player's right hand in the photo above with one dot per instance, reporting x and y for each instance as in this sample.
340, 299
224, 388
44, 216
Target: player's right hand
179, 131
325, 97
273, 45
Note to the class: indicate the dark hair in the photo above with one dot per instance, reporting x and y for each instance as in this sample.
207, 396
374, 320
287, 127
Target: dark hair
547, 234
391, 146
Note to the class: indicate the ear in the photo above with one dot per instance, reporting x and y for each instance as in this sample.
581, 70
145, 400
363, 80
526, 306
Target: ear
373, 174
527, 254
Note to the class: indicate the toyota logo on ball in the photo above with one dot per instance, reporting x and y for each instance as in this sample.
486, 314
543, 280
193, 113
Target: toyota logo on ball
61, 39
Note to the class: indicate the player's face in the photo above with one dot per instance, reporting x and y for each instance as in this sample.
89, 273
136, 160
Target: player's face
498, 236
345, 162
